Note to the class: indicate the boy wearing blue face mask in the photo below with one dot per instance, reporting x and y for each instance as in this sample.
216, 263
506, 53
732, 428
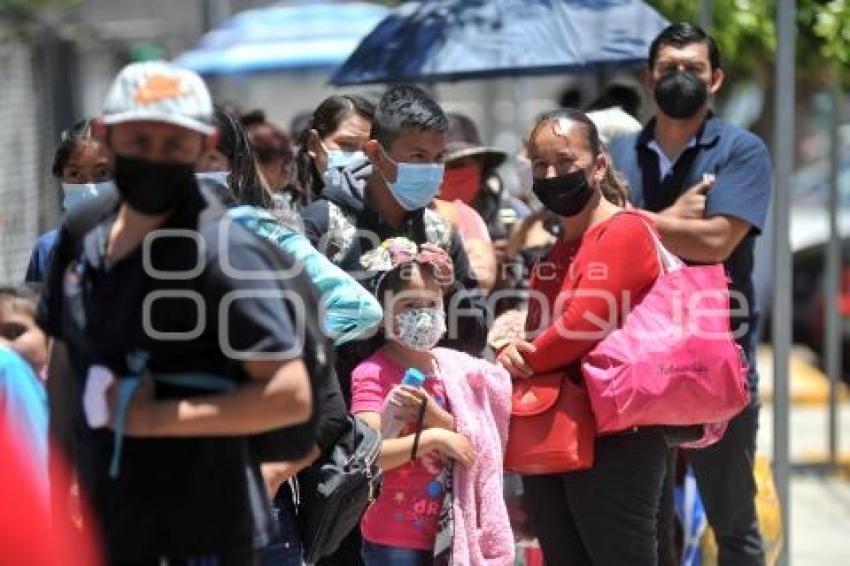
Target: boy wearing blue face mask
83, 167
386, 195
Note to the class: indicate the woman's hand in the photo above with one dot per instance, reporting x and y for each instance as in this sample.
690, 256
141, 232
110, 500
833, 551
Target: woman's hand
511, 358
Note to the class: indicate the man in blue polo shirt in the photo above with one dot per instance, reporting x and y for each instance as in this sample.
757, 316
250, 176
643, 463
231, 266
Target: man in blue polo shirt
707, 186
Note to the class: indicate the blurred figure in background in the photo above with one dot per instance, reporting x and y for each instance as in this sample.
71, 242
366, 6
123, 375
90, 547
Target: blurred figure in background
571, 97
23, 358
273, 149
83, 167
468, 160
618, 95
232, 164
30, 533
469, 167
613, 123
18, 329
299, 123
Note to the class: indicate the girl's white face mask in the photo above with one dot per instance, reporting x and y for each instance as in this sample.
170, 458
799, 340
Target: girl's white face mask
420, 329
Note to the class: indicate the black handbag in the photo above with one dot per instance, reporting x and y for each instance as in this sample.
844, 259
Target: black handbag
337, 489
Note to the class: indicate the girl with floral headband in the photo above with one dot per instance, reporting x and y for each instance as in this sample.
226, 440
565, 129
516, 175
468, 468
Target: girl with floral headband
441, 501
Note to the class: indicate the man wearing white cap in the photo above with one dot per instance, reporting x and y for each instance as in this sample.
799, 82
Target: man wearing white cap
168, 346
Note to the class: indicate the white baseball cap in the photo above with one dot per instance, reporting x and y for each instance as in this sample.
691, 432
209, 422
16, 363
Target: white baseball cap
159, 92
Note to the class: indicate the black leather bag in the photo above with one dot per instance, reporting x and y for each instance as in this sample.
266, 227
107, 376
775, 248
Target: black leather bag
337, 489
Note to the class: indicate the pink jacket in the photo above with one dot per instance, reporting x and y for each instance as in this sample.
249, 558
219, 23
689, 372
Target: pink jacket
479, 395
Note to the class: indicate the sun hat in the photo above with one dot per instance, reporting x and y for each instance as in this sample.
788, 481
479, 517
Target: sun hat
463, 140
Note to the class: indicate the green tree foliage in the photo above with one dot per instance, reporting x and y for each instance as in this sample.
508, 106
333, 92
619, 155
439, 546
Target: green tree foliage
745, 31
830, 25
35, 5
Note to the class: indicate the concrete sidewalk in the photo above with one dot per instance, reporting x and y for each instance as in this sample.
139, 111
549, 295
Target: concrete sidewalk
820, 503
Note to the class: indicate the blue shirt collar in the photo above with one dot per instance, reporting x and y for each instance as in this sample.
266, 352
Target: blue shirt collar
706, 136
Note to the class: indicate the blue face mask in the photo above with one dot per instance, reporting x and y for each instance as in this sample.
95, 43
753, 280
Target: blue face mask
416, 184
338, 159
217, 177
75, 193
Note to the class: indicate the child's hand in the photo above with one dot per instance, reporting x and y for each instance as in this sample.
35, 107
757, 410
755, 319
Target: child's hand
453, 445
403, 405
435, 416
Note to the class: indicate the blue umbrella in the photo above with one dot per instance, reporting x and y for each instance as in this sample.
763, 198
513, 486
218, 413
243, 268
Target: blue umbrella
450, 40
284, 37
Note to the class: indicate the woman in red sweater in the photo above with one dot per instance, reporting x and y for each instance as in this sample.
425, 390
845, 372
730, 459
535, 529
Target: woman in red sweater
603, 263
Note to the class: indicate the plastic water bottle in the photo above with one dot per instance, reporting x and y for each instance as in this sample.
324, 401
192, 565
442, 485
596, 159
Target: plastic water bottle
391, 425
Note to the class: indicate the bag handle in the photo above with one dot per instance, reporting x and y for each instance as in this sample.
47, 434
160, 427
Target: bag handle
666, 259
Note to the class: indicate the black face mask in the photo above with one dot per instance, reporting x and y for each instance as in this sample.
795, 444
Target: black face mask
680, 94
153, 187
565, 195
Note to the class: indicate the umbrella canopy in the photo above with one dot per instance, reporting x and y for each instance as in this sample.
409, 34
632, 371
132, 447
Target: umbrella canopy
284, 37
451, 40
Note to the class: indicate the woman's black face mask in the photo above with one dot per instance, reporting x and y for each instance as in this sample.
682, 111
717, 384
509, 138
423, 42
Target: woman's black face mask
565, 195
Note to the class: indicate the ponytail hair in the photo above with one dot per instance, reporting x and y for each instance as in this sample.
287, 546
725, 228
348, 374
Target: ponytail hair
326, 119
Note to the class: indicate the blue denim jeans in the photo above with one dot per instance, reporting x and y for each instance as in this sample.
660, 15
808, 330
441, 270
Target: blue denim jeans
380, 555
285, 548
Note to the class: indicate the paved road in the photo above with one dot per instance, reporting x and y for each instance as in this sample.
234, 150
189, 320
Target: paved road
820, 504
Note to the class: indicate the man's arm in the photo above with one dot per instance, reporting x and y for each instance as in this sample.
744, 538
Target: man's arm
254, 319
735, 201
278, 395
701, 240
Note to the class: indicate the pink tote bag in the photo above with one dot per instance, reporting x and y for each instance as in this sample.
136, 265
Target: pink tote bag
674, 360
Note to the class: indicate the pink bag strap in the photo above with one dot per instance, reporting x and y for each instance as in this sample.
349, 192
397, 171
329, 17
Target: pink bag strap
666, 259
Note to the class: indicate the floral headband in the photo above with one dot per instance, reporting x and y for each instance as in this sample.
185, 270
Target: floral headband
395, 252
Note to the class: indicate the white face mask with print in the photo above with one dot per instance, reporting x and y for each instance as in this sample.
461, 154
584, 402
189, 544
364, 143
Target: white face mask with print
420, 329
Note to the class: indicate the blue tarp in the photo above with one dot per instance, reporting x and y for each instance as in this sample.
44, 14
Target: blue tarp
284, 37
